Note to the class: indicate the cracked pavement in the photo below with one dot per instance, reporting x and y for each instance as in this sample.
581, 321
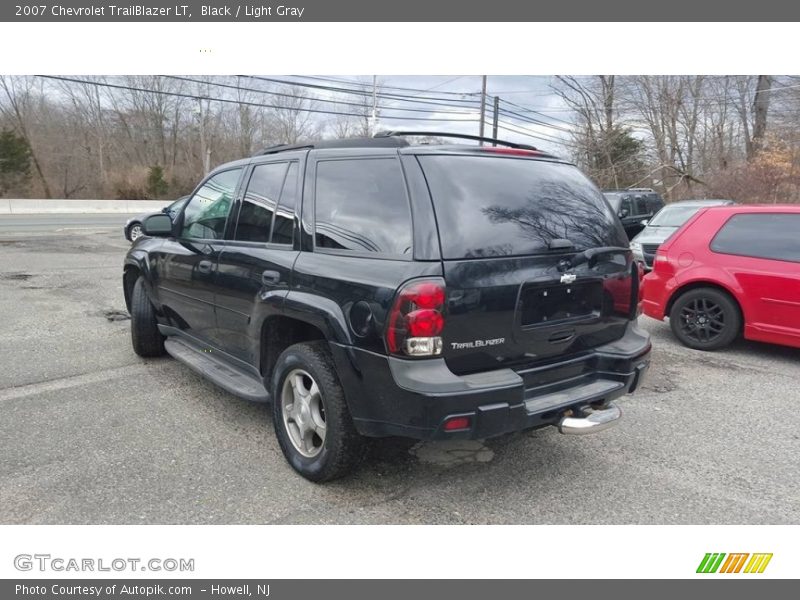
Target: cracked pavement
90, 433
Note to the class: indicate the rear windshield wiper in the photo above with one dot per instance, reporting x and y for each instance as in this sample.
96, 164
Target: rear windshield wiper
560, 244
591, 255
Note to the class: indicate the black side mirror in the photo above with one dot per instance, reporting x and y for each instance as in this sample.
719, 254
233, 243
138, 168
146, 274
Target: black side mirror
157, 226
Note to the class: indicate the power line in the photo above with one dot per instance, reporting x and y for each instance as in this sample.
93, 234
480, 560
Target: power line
295, 96
538, 112
431, 102
392, 87
503, 126
504, 111
445, 83
539, 122
519, 129
536, 93
239, 102
362, 92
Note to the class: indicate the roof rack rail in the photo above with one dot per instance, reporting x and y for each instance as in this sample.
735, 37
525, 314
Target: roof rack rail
465, 136
360, 142
283, 148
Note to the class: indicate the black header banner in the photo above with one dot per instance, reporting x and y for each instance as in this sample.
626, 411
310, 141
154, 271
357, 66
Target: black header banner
405, 11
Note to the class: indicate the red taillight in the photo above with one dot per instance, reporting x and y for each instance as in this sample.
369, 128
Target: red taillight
426, 294
456, 423
425, 322
661, 262
639, 289
417, 319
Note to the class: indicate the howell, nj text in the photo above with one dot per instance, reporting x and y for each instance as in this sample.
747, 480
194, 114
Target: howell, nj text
239, 590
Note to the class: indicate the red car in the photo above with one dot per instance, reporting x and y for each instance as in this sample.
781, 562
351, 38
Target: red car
730, 270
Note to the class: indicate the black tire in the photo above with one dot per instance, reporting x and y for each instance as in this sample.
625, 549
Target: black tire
132, 230
342, 448
705, 319
147, 340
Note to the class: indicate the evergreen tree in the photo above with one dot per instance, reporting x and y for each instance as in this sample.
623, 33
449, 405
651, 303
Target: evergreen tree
15, 161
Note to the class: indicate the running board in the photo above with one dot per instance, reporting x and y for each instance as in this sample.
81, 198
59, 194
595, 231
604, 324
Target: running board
229, 378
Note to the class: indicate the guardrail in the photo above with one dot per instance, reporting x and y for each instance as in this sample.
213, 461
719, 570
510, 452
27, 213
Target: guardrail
28, 207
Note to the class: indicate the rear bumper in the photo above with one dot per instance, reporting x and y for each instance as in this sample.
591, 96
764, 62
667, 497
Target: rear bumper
654, 295
654, 310
390, 396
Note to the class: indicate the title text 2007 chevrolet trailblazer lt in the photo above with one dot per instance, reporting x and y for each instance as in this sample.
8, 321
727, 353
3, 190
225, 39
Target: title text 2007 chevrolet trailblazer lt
370, 287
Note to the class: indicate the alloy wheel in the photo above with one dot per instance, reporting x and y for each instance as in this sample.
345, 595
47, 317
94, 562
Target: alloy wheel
702, 320
303, 413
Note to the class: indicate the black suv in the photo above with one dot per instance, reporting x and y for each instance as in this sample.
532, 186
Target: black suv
370, 287
634, 207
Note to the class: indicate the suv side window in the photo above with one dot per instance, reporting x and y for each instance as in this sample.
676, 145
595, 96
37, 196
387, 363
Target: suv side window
361, 206
640, 205
205, 214
626, 206
283, 229
767, 235
259, 202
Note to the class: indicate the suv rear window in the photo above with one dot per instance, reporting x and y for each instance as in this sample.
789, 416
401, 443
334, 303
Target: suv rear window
489, 206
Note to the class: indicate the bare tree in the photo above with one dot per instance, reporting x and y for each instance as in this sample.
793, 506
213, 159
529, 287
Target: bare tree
688, 136
605, 146
291, 121
760, 109
358, 122
91, 115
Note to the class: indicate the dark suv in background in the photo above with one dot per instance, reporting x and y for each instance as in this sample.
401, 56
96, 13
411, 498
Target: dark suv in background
634, 207
368, 287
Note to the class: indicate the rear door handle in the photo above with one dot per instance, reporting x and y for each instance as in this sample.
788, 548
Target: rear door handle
205, 266
561, 336
270, 277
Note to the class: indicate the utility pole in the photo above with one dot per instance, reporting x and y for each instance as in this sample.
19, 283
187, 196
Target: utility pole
374, 120
483, 106
495, 118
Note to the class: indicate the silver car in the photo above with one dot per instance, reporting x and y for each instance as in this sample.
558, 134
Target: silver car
666, 222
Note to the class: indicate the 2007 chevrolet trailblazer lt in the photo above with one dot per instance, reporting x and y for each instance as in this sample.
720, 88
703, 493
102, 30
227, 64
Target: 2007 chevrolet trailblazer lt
370, 287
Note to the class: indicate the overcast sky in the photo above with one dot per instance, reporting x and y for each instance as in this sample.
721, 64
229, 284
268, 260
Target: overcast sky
531, 93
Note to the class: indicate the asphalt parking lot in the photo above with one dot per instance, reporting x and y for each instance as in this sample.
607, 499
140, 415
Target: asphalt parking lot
90, 433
